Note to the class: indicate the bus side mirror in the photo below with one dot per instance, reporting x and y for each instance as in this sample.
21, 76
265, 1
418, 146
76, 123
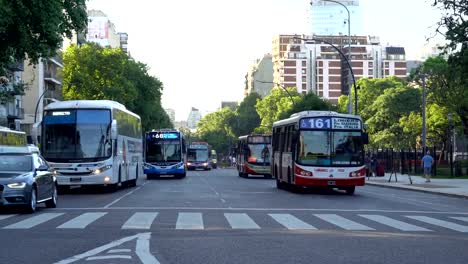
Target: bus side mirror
365, 138
114, 129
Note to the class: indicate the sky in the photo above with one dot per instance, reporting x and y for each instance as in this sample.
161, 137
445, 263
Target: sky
201, 50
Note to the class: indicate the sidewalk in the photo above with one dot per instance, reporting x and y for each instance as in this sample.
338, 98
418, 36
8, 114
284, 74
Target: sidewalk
450, 187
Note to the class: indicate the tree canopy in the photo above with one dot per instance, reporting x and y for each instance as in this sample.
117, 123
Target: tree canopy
35, 28
94, 73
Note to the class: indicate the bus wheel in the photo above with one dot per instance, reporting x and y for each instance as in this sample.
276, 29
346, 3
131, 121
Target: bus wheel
133, 183
350, 190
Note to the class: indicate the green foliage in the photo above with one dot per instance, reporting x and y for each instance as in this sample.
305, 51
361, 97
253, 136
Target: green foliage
217, 129
247, 116
35, 28
94, 73
308, 102
9, 91
275, 106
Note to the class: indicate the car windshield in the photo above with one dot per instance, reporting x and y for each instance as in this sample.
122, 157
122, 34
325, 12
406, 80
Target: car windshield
259, 153
157, 151
15, 163
327, 148
77, 135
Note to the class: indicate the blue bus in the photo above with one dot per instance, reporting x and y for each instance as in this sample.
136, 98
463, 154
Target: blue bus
164, 153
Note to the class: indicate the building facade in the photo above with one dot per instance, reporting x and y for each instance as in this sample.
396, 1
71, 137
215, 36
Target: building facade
232, 105
328, 18
259, 78
314, 66
12, 112
193, 118
171, 113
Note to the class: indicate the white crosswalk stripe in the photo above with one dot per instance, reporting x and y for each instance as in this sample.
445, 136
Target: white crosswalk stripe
82, 221
191, 221
240, 221
140, 221
342, 222
291, 222
34, 221
461, 218
400, 225
441, 223
2, 217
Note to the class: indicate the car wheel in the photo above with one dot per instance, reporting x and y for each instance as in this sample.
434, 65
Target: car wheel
52, 203
350, 190
31, 207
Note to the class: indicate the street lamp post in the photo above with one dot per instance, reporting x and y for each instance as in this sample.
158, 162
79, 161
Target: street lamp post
350, 104
424, 113
450, 142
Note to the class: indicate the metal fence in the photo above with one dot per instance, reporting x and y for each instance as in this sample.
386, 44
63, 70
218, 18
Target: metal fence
408, 161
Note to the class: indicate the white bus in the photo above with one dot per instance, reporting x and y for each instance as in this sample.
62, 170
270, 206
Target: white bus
319, 148
92, 143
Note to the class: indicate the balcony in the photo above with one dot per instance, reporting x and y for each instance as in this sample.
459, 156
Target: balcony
17, 66
14, 112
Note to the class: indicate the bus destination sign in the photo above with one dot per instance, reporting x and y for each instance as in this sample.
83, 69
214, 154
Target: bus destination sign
338, 123
259, 139
163, 135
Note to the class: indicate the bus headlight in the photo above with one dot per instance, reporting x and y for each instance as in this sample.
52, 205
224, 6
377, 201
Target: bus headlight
17, 185
205, 164
102, 169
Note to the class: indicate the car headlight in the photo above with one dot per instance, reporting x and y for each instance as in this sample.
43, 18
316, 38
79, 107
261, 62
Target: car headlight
17, 185
102, 169
188, 163
205, 164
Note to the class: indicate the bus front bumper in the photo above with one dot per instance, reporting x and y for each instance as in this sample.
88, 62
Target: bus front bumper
101, 179
329, 182
176, 171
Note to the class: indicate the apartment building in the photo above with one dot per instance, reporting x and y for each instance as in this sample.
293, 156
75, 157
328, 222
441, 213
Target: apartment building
312, 65
11, 112
259, 78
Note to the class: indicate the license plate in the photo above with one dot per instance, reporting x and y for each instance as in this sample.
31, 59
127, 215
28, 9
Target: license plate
75, 179
163, 172
331, 183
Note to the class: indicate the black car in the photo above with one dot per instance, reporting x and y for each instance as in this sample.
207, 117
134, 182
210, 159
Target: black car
26, 180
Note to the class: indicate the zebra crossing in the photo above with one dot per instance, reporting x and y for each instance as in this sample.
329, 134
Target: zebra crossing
238, 221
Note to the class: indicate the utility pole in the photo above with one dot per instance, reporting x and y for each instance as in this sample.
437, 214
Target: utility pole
424, 113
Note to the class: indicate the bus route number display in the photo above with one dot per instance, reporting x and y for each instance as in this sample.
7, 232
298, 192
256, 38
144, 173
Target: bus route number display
339, 123
164, 135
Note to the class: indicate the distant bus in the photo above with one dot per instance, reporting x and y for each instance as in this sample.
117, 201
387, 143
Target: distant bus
199, 156
92, 143
253, 155
164, 153
319, 148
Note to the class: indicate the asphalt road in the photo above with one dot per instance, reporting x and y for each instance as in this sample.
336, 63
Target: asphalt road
217, 217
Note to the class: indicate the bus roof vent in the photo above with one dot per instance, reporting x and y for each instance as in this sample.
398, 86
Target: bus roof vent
316, 113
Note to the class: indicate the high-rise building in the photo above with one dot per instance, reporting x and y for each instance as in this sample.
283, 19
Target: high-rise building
317, 67
259, 78
171, 113
329, 18
231, 105
124, 41
193, 118
101, 30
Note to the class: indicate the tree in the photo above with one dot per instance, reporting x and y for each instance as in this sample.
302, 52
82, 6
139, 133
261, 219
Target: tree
308, 102
217, 129
94, 73
272, 107
454, 27
35, 28
247, 116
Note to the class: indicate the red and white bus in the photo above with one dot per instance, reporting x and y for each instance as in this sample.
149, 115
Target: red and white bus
319, 148
253, 155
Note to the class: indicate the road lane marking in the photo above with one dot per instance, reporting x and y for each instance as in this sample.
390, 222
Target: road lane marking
191, 221
125, 195
159, 208
342, 222
141, 250
461, 218
400, 225
240, 221
109, 257
2, 217
140, 221
441, 223
34, 221
123, 250
82, 221
291, 222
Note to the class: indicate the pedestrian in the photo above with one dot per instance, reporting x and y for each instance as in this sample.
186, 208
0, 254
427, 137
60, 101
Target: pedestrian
426, 163
367, 163
373, 167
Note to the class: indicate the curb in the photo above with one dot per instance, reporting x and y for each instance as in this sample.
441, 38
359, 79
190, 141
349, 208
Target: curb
417, 190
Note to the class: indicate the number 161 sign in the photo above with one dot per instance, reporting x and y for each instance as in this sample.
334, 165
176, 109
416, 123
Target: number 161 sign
330, 123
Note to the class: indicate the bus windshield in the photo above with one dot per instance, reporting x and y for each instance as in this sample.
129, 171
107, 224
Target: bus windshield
330, 148
197, 155
71, 135
259, 153
163, 151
